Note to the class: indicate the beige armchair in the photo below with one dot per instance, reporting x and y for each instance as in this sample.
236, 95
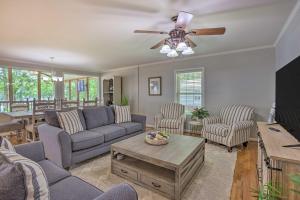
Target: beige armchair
231, 128
171, 119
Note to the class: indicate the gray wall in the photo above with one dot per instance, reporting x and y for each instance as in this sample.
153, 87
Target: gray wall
288, 47
237, 78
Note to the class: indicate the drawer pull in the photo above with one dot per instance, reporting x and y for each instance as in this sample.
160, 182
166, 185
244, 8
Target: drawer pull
124, 171
156, 185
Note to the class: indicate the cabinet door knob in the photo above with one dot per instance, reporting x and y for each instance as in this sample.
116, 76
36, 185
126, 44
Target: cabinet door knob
156, 185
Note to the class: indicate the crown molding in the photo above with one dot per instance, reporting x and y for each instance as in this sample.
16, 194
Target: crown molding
189, 58
287, 23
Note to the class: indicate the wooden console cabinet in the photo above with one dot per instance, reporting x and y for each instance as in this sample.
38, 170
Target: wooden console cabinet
275, 163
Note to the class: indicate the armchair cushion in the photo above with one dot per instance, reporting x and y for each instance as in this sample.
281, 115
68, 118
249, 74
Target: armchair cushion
217, 129
242, 125
170, 123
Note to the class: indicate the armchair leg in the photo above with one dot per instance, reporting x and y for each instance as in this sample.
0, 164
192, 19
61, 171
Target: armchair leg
229, 149
245, 144
205, 140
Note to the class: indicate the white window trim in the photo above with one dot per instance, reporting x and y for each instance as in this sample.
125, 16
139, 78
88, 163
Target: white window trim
202, 82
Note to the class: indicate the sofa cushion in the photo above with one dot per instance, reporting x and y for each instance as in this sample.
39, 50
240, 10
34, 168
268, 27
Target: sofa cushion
53, 172
95, 117
131, 127
73, 188
12, 184
86, 139
70, 121
169, 123
217, 129
110, 132
52, 119
111, 114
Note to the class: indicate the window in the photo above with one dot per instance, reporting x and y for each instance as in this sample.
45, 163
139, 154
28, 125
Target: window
3, 84
93, 88
189, 88
24, 84
47, 87
83, 87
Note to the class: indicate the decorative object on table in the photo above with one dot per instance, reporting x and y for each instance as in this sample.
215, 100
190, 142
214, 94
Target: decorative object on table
199, 113
178, 40
171, 118
271, 119
157, 138
124, 101
154, 86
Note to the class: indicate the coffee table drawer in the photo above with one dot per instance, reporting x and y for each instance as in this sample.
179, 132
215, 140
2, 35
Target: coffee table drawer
157, 185
124, 171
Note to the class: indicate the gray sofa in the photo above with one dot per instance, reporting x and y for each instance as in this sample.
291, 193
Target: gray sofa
64, 186
99, 133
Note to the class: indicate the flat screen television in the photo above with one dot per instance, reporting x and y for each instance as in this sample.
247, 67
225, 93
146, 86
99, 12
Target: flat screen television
287, 111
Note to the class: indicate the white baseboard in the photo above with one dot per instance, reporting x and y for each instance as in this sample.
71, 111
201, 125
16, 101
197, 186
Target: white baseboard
253, 140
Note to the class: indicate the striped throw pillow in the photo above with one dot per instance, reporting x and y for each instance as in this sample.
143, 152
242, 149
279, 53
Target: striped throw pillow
70, 121
5, 143
35, 180
122, 114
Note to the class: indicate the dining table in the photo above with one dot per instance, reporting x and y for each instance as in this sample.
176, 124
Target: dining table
23, 114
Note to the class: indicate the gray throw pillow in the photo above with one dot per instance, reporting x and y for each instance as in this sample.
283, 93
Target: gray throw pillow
12, 185
95, 117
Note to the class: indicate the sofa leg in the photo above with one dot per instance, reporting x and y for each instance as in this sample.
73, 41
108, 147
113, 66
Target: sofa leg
229, 149
205, 140
245, 144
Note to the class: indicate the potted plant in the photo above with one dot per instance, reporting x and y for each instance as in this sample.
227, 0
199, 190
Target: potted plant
199, 113
268, 191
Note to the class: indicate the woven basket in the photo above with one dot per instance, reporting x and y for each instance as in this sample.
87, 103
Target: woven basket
156, 142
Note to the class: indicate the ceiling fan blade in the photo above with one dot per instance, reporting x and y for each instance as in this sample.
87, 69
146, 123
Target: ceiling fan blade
190, 42
208, 31
162, 42
154, 32
183, 19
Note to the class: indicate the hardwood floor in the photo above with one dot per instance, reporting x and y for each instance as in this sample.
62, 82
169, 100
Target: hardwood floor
245, 177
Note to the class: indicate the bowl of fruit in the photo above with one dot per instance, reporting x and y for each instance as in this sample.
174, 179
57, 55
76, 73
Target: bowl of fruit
157, 138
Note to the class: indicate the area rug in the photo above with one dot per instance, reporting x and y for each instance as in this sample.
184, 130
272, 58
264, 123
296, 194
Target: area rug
213, 182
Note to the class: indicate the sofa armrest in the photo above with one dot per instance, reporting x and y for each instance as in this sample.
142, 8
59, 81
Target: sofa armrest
119, 192
34, 151
211, 120
242, 125
157, 119
140, 119
57, 144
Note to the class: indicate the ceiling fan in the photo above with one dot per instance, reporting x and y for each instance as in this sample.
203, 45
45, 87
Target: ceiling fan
178, 40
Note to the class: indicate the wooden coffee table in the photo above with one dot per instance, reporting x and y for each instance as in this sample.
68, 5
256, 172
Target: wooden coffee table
166, 169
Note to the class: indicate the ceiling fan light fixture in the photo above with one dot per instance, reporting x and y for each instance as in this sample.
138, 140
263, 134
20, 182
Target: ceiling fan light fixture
181, 46
188, 51
165, 49
172, 54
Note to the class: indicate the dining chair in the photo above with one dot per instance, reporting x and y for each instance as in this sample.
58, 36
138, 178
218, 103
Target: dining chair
38, 109
9, 126
19, 105
90, 103
69, 104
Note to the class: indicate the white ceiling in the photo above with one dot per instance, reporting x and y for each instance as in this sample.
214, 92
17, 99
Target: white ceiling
97, 35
